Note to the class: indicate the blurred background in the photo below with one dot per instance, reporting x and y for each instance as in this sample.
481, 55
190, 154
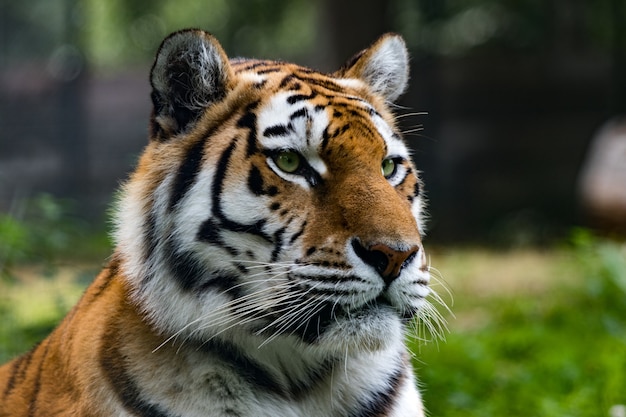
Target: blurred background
508, 94
515, 114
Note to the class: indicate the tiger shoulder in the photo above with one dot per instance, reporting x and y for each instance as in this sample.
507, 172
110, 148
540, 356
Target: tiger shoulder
268, 256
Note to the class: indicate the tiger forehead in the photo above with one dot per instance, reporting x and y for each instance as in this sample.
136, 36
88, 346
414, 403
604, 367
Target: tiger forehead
297, 102
316, 87
288, 75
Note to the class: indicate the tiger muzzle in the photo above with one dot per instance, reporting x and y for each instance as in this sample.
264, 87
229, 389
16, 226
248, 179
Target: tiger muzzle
387, 261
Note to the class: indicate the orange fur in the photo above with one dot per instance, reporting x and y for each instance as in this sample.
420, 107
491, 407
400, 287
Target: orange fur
182, 251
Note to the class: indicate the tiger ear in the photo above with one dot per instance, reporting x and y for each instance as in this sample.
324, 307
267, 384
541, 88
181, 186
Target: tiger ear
384, 66
190, 72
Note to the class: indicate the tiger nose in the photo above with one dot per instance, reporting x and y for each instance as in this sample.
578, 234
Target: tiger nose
388, 262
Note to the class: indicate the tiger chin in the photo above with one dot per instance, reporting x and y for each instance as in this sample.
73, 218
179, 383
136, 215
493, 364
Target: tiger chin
268, 255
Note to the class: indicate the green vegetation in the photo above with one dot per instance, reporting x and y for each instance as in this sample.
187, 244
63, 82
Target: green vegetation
122, 33
47, 257
535, 332
43, 231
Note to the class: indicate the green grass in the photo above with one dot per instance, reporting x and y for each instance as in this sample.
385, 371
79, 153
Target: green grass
535, 332
34, 301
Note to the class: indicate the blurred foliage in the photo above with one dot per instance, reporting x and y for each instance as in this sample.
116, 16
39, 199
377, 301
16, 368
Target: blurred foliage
120, 30
32, 306
454, 27
561, 352
125, 32
43, 232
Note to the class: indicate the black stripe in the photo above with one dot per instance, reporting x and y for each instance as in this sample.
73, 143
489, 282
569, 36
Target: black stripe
225, 283
260, 84
13, 375
112, 270
18, 371
417, 188
217, 189
324, 83
185, 268
112, 364
336, 279
247, 368
351, 106
255, 181
303, 112
252, 64
277, 130
373, 112
300, 97
209, 233
297, 234
187, 172
32, 407
248, 121
218, 179
278, 243
286, 80
309, 71
269, 70
312, 329
311, 323
325, 137
379, 404
328, 135
314, 290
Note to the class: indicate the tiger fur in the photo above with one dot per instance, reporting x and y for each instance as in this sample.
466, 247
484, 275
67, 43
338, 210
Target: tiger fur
268, 254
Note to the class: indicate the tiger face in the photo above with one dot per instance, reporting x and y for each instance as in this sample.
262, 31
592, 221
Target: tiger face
275, 205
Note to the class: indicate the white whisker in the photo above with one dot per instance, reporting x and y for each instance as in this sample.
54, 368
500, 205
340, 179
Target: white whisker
419, 113
413, 130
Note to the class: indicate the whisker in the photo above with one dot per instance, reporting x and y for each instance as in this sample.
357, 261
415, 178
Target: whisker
303, 315
438, 276
248, 300
290, 318
418, 113
242, 319
305, 319
413, 130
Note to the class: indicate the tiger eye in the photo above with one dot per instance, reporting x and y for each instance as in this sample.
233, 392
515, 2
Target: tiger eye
388, 167
288, 161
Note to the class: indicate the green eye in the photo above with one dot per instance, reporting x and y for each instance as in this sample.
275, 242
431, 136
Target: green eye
288, 161
388, 167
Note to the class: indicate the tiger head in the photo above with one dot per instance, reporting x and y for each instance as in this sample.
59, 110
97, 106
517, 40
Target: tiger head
275, 204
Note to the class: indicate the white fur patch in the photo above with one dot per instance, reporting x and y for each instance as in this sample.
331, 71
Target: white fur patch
387, 70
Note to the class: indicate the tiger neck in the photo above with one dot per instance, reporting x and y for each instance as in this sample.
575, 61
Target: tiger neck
284, 368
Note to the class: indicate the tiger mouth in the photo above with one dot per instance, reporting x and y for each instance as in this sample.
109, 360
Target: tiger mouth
330, 314
382, 302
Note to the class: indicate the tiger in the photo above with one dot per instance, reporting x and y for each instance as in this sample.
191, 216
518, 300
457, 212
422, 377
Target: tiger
268, 257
